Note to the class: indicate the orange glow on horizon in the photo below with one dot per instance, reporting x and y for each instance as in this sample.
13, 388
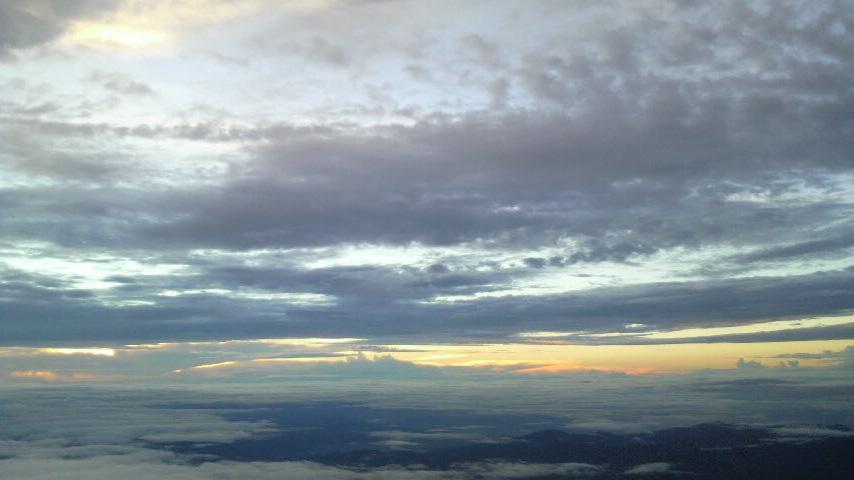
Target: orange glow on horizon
229, 363
104, 352
41, 374
630, 359
536, 359
50, 375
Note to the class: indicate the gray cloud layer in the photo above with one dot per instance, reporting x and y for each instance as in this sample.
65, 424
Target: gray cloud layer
31, 23
694, 127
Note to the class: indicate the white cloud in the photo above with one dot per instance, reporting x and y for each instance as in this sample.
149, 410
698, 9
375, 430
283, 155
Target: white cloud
149, 464
650, 468
499, 470
811, 431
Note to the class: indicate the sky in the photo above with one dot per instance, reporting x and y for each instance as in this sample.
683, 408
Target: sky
199, 194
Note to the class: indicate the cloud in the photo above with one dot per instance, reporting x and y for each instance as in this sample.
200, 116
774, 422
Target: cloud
376, 298
811, 431
651, 469
28, 24
203, 436
320, 49
126, 424
120, 83
664, 171
499, 470
751, 364
46, 375
416, 438
171, 432
142, 464
801, 356
432, 183
112, 433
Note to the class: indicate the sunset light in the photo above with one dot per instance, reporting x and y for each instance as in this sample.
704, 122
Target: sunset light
426, 239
